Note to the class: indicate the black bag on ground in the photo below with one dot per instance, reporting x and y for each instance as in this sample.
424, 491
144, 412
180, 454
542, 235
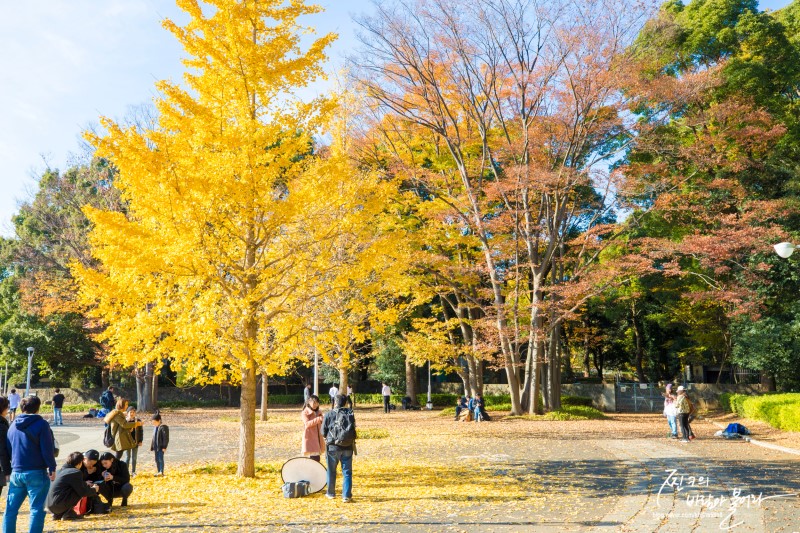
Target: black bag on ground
295, 489
342, 431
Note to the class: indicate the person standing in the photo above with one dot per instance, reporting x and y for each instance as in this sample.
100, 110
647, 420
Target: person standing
312, 444
670, 412
351, 402
121, 428
33, 465
138, 436
332, 393
684, 407
13, 403
68, 489
159, 443
58, 404
386, 392
107, 401
307, 393
339, 430
5, 452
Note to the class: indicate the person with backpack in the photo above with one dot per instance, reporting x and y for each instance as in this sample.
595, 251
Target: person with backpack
117, 435
339, 430
33, 465
685, 408
69, 488
107, 401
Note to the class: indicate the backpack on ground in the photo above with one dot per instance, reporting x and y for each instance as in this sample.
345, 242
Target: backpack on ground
342, 431
737, 429
295, 489
108, 437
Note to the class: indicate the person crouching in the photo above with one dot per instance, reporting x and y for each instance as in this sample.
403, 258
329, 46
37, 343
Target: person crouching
68, 489
116, 479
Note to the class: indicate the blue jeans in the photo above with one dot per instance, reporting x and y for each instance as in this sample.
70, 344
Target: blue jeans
346, 458
160, 461
33, 484
57, 420
673, 424
130, 458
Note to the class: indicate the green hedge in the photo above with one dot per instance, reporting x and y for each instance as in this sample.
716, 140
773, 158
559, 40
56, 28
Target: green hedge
567, 401
778, 410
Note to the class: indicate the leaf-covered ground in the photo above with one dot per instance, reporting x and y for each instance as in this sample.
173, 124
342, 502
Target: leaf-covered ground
423, 472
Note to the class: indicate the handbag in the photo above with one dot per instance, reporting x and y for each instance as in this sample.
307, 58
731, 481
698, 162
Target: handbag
295, 489
82, 507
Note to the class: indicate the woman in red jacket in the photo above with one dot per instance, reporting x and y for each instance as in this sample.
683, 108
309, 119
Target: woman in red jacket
311, 416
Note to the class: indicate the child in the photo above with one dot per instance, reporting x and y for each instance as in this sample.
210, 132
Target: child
138, 437
160, 442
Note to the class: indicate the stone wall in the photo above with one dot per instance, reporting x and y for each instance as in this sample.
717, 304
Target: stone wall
603, 395
165, 394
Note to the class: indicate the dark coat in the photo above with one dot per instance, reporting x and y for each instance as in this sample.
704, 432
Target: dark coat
5, 454
119, 469
68, 488
138, 433
160, 438
97, 475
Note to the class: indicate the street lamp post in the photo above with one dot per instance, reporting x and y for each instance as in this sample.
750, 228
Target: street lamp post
785, 249
429, 405
28, 382
316, 371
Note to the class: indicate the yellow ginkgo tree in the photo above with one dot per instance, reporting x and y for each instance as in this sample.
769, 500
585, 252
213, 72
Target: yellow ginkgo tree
210, 260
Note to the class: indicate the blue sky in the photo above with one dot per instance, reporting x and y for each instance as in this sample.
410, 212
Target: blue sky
66, 62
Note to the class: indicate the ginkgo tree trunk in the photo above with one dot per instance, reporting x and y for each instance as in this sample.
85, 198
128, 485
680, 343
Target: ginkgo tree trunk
222, 191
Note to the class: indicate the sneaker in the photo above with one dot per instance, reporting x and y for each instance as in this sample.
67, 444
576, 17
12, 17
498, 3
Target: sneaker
330, 496
684, 441
692, 437
71, 515
347, 500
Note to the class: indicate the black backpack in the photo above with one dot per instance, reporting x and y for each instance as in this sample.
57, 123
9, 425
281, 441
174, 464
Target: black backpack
342, 430
108, 437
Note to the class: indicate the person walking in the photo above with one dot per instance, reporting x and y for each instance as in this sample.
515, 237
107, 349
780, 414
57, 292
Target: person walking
121, 428
33, 465
334, 390
13, 403
68, 489
339, 430
386, 392
312, 418
58, 404
670, 411
159, 443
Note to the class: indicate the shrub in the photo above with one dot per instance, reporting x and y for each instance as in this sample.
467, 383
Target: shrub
576, 400
778, 410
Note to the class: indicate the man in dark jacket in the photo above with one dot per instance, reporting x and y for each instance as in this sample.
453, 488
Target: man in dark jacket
33, 465
338, 423
107, 399
116, 479
68, 489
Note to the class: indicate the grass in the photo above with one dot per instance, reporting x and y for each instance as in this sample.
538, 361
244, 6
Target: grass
372, 433
567, 412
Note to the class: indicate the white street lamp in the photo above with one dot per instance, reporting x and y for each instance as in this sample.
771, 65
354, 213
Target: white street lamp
316, 371
429, 405
785, 249
30, 359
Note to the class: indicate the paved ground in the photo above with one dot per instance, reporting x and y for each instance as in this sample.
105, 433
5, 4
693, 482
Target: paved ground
619, 474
